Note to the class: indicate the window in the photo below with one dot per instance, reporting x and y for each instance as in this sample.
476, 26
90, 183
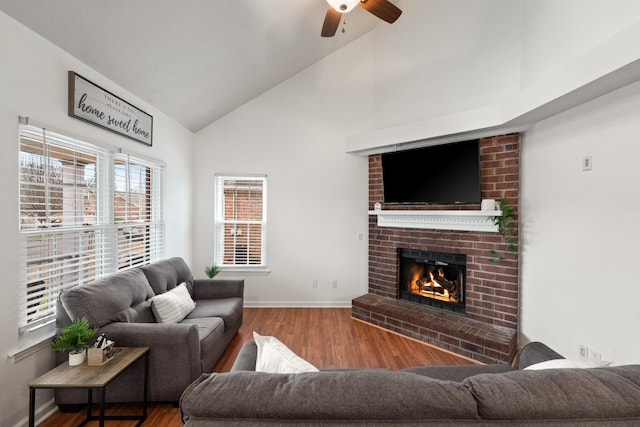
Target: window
69, 202
240, 221
137, 213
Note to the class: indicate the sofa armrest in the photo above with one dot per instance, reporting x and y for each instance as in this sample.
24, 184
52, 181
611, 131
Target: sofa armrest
171, 345
536, 352
217, 288
246, 359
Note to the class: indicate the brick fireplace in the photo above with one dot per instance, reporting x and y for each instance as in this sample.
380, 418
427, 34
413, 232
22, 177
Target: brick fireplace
487, 329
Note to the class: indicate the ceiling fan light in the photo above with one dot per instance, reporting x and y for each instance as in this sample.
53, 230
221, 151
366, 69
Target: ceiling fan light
343, 6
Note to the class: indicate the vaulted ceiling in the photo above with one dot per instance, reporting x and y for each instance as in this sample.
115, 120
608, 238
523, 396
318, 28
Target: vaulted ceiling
194, 60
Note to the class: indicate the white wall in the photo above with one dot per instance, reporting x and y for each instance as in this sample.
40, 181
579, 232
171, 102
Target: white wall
554, 33
443, 57
317, 194
579, 229
33, 83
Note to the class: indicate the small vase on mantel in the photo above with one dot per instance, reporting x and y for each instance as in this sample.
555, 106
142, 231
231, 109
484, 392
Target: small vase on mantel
77, 357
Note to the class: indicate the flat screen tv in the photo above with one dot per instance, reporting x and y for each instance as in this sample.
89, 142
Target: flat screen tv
440, 174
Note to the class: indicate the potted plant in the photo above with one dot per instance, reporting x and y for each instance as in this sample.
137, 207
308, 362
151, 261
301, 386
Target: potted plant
211, 271
75, 338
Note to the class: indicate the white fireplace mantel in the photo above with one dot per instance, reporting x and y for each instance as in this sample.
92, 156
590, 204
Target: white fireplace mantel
470, 220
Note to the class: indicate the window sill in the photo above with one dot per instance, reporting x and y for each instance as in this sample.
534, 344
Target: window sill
28, 349
245, 271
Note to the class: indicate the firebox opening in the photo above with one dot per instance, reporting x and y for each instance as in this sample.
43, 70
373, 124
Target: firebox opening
433, 278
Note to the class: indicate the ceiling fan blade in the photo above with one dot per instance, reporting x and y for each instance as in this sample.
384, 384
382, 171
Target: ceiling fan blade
331, 22
383, 9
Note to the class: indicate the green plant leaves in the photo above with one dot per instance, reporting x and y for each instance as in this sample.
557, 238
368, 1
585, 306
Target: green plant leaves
211, 271
505, 228
75, 336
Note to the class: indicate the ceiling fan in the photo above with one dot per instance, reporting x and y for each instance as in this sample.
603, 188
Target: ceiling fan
383, 9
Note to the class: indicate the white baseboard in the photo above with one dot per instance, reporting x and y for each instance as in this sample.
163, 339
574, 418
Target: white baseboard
43, 412
297, 304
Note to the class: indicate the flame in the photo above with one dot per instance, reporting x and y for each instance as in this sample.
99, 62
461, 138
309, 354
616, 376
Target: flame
415, 278
419, 282
433, 282
426, 283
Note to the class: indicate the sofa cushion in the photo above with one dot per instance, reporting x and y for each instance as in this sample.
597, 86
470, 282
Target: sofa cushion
275, 357
230, 309
172, 306
596, 393
354, 396
140, 313
206, 326
104, 300
459, 372
167, 274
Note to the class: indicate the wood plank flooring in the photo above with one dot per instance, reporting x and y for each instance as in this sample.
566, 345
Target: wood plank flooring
326, 337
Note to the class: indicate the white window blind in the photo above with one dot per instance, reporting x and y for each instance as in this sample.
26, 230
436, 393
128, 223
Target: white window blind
137, 211
240, 221
62, 225
67, 209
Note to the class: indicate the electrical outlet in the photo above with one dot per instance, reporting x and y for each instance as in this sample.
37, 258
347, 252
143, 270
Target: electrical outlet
595, 355
583, 351
314, 283
334, 283
587, 163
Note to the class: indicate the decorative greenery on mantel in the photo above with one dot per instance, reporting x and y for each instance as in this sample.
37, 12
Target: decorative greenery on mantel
506, 228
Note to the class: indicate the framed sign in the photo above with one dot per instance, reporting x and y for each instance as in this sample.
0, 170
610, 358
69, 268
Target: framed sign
93, 104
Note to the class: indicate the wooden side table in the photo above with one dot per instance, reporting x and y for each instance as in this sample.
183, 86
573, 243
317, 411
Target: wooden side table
93, 378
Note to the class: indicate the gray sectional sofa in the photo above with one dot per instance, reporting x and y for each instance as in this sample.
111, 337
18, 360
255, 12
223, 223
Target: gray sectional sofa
119, 306
483, 395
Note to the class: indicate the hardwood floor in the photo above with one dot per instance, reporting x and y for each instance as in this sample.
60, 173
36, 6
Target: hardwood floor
326, 337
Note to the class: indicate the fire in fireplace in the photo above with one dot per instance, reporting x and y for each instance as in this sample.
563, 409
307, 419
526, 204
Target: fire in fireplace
433, 278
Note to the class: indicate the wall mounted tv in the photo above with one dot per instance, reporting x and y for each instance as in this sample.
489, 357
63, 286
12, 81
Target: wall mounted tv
440, 174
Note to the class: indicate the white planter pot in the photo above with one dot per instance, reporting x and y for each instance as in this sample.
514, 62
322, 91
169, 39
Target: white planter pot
76, 359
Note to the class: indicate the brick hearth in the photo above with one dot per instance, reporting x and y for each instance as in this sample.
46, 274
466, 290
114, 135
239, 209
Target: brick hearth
487, 331
468, 337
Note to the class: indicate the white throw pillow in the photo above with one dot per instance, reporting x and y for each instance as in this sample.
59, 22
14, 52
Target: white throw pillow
172, 306
569, 364
276, 358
